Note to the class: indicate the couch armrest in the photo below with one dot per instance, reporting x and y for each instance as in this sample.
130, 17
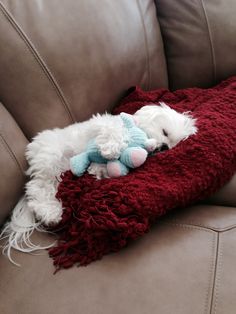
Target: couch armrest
12, 162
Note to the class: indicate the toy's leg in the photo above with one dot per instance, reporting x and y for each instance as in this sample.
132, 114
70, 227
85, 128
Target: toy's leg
133, 157
79, 164
116, 169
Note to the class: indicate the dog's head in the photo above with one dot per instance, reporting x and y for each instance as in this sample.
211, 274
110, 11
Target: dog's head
164, 124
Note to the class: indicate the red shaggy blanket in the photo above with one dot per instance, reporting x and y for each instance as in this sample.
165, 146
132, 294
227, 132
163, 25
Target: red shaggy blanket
103, 216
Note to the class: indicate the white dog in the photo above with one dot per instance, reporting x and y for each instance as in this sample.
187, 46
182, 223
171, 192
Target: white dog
49, 153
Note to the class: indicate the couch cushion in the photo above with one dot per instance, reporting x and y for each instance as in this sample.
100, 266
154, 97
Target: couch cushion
199, 39
225, 196
184, 265
61, 63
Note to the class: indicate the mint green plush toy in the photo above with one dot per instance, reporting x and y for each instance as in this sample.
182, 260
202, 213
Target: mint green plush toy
132, 157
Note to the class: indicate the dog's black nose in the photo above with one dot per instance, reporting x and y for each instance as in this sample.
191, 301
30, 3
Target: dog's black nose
163, 147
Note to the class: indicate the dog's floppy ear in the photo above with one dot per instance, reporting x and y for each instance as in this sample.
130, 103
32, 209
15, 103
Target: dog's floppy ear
147, 114
148, 110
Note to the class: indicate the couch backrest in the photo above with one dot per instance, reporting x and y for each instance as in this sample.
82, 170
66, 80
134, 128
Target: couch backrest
200, 40
62, 61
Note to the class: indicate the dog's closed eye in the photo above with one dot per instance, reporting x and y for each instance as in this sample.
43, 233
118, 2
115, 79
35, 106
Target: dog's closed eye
164, 132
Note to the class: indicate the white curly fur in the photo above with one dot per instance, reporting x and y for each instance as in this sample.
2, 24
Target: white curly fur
49, 153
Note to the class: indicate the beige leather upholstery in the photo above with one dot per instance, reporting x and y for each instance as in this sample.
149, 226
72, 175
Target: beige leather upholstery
200, 41
12, 163
226, 196
61, 61
70, 58
184, 265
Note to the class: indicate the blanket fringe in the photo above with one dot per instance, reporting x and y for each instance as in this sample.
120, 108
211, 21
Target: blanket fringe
18, 230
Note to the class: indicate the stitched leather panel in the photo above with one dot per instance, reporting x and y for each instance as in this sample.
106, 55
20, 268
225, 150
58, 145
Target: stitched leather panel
12, 163
170, 270
200, 41
216, 218
80, 59
26, 90
226, 196
225, 281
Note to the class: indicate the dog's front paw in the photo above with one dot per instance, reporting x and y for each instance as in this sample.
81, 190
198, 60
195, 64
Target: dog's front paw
151, 145
48, 213
98, 170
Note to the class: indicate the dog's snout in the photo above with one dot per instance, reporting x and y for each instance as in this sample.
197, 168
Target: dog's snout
164, 147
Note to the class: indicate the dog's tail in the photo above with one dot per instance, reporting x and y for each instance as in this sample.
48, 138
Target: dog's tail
18, 230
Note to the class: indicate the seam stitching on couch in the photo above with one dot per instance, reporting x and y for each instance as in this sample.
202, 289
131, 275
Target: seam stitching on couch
214, 254
217, 275
206, 226
189, 227
210, 40
146, 46
212, 268
39, 60
11, 153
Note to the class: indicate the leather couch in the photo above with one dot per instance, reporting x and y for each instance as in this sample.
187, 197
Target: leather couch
62, 61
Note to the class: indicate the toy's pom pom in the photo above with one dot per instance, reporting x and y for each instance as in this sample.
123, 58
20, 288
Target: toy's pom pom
116, 169
134, 157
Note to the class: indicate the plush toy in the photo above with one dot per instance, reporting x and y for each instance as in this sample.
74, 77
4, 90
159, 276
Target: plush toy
132, 157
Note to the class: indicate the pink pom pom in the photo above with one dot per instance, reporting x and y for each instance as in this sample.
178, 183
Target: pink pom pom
113, 169
138, 157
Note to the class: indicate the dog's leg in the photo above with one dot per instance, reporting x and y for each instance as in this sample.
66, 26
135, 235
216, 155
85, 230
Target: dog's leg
48, 155
41, 200
47, 159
